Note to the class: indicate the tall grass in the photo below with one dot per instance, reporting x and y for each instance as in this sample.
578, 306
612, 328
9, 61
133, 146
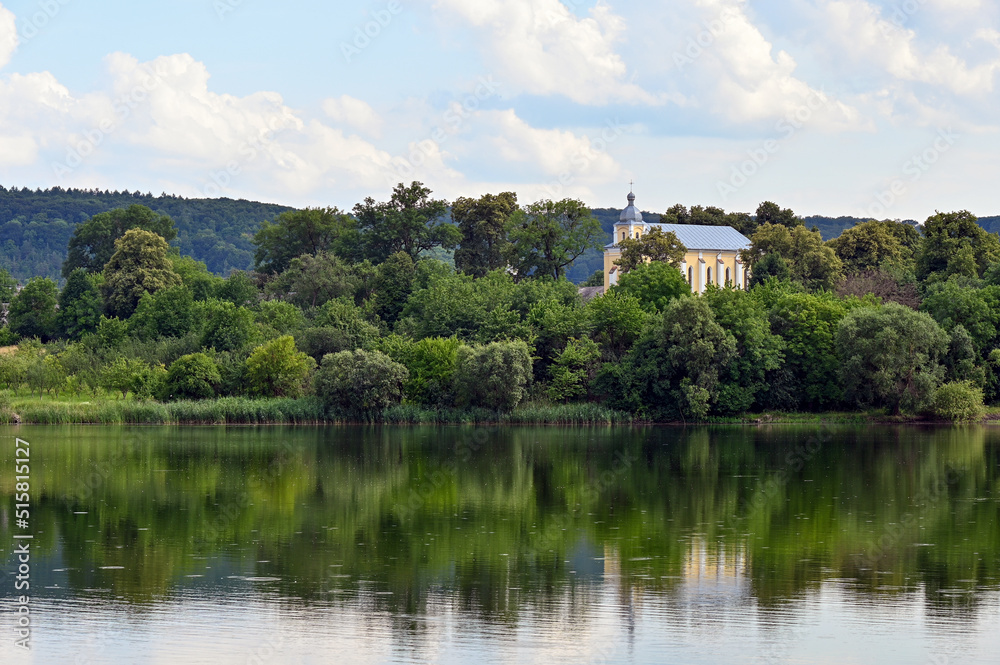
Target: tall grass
308, 410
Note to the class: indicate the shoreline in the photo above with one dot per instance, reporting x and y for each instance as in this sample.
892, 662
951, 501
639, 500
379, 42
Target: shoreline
308, 411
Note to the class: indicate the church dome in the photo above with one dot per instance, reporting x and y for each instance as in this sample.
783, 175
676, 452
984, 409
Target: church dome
631, 214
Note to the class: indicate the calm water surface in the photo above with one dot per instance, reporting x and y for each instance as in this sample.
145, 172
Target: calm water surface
775, 544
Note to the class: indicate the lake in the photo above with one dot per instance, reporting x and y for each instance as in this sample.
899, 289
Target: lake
770, 544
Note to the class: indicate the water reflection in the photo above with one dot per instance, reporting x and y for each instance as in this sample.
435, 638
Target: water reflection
766, 544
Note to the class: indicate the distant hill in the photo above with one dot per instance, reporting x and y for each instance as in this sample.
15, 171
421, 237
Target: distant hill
36, 225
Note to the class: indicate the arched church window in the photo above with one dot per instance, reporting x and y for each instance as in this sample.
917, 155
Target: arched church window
690, 275
729, 279
709, 280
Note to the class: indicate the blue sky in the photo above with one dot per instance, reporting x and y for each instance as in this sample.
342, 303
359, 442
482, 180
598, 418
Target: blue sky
838, 107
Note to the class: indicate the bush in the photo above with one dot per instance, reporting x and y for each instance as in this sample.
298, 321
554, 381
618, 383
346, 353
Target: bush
958, 400
126, 375
360, 382
495, 376
278, 369
195, 376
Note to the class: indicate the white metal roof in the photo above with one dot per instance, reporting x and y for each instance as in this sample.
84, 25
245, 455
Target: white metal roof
700, 237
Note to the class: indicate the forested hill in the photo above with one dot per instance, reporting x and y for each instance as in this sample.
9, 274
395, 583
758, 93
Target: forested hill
36, 225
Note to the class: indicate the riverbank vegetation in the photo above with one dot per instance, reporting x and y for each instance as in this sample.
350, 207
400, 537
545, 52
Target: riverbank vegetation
356, 318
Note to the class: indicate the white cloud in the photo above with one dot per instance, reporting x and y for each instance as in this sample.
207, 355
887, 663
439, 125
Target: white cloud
866, 37
741, 78
355, 113
552, 152
8, 35
539, 47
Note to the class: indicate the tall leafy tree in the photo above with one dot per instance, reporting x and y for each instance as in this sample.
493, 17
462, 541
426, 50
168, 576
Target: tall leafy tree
891, 356
655, 285
311, 280
139, 265
955, 244
548, 236
769, 212
483, 223
93, 242
873, 244
80, 305
656, 246
299, 232
410, 221
32, 312
810, 262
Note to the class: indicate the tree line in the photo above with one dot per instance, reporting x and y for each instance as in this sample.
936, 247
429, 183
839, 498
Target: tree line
361, 311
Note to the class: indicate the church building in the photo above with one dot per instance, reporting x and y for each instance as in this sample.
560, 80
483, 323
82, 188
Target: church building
712, 251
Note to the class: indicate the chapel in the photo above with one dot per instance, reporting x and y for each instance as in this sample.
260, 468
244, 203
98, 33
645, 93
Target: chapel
712, 251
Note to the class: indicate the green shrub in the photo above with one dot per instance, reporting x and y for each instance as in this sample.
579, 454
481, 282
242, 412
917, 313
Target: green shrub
195, 376
360, 382
958, 401
495, 376
278, 369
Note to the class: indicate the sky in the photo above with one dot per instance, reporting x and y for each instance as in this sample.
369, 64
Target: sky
869, 108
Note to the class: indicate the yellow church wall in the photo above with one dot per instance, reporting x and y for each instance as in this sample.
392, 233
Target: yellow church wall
692, 262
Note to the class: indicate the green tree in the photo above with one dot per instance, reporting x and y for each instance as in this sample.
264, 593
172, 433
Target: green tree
771, 213
8, 287
94, 241
80, 305
139, 265
574, 369
409, 222
955, 244
194, 376
495, 376
759, 352
392, 286
169, 312
300, 232
808, 325
278, 369
238, 289
617, 320
32, 312
656, 246
873, 244
284, 317
431, 364
360, 382
195, 275
227, 327
959, 401
771, 266
126, 375
311, 280
484, 224
811, 262
890, 356
546, 237
654, 285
